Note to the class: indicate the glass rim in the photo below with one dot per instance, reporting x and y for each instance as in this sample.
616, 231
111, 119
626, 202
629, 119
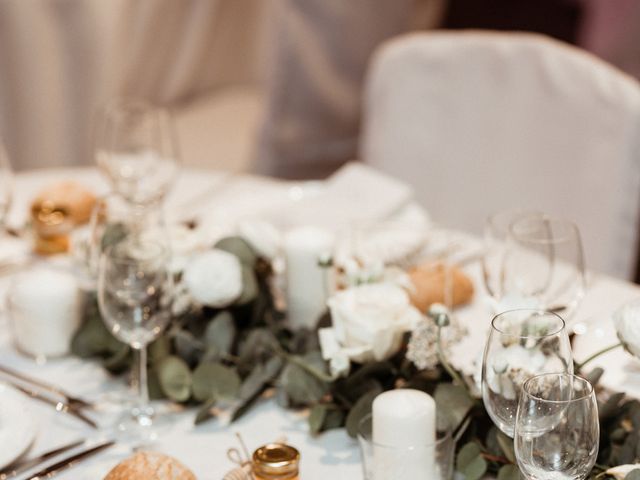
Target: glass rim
540, 311
492, 222
447, 435
571, 376
553, 220
163, 252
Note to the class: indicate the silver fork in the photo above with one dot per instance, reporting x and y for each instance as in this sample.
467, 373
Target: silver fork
26, 464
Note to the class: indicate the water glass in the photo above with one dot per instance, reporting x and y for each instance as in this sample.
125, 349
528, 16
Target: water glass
557, 429
420, 462
521, 344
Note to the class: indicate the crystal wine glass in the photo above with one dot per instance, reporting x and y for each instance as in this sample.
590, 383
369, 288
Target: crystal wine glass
136, 147
557, 429
134, 296
544, 263
521, 344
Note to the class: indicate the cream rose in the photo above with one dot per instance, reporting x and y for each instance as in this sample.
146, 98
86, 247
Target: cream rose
627, 322
214, 278
368, 324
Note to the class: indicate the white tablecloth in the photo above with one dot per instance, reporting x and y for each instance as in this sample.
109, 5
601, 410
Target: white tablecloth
203, 448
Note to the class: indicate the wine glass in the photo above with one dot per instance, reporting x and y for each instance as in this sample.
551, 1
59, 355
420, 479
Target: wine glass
496, 234
557, 429
134, 296
521, 344
6, 186
544, 263
136, 147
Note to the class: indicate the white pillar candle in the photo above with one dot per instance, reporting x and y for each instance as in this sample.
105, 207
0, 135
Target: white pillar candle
404, 435
45, 309
306, 280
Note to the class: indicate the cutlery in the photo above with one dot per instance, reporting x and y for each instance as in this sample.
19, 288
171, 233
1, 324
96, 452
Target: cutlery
59, 406
70, 461
27, 464
73, 402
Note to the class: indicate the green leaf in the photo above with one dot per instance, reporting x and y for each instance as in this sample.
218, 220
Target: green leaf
214, 380
610, 407
250, 287
119, 361
302, 387
509, 472
360, 410
334, 419
633, 475
188, 347
159, 349
255, 384
175, 378
240, 248
260, 343
205, 412
316, 418
469, 462
454, 402
153, 383
506, 444
594, 376
220, 333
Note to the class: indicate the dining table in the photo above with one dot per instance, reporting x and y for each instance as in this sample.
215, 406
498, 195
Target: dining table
219, 197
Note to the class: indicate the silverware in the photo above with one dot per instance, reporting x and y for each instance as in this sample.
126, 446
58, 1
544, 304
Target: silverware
70, 461
72, 401
27, 464
59, 406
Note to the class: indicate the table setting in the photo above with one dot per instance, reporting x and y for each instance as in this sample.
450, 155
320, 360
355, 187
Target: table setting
283, 330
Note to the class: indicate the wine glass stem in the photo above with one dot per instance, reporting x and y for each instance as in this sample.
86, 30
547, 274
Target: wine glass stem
143, 412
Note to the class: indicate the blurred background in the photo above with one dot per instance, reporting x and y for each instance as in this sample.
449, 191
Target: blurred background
267, 86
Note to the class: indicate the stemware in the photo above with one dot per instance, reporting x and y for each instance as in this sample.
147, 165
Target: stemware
134, 296
557, 429
521, 343
544, 263
136, 147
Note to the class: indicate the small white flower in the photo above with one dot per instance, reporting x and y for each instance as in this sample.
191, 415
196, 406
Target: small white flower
510, 368
627, 323
214, 278
368, 322
621, 471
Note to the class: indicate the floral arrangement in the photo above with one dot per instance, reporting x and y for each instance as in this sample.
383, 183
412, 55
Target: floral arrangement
229, 345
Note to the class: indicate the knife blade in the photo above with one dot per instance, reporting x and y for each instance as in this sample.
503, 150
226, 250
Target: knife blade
70, 461
60, 406
25, 465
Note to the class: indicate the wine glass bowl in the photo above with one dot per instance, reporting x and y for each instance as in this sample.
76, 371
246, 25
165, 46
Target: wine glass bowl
557, 428
521, 344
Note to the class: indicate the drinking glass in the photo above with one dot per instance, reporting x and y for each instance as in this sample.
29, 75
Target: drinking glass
496, 234
136, 147
134, 296
521, 344
544, 263
557, 429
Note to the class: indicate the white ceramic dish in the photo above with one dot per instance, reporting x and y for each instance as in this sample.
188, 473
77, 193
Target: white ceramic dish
17, 425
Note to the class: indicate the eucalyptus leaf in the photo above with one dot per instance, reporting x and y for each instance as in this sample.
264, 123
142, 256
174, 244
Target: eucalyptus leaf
220, 333
259, 343
506, 444
594, 376
316, 418
159, 349
334, 418
240, 248
469, 462
610, 407
153, 384
250, 287
119, 361
175, 378
454, 402
633, 475
206, 412
509, 472
255, 383
360, 410
301, 387
214, 381
188, 347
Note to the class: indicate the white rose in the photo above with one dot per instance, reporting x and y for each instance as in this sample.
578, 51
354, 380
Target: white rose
627, 322
368, 323
214, 278
511, 367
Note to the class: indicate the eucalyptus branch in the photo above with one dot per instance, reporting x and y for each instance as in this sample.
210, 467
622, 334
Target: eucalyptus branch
580, 366
310, 369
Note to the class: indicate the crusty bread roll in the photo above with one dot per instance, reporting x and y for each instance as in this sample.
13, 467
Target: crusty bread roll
71, 196
429, 285
150, 466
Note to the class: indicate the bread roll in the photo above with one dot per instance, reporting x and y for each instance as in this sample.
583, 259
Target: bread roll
150, 466
72, 197
429, 281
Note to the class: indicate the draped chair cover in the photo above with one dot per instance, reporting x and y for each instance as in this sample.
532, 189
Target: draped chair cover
480, 122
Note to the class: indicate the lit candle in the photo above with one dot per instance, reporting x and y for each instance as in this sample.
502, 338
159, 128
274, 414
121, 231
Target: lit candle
306, 279
404, 435
45, 310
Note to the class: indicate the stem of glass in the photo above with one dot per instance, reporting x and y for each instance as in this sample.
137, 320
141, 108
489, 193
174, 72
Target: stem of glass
143, 413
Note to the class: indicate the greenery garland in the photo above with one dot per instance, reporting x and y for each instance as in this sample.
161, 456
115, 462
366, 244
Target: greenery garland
226, 359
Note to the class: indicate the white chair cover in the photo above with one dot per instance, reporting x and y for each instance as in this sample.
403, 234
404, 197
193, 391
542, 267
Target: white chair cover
480, 122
